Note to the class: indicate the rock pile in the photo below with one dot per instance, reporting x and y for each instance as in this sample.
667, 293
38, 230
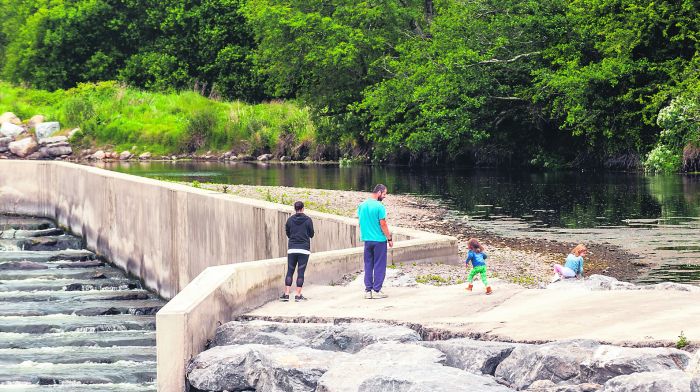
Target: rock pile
270, 356
17, 140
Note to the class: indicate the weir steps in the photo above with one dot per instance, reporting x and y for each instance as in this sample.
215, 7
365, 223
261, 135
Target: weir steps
69, 321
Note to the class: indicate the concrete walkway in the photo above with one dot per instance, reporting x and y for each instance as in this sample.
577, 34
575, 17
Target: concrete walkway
629, 317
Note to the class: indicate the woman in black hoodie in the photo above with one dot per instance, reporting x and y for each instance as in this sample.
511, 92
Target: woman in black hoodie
300, 230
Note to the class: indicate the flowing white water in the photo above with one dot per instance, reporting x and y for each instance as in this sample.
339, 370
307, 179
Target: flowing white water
68, 321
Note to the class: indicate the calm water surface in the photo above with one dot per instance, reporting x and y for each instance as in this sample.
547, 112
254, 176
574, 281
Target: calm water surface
657, 217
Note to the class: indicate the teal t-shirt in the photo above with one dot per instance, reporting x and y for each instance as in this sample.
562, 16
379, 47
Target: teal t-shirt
370, 212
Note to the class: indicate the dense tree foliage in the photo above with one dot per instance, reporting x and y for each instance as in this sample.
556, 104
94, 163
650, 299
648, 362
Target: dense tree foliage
489, 82
162, 45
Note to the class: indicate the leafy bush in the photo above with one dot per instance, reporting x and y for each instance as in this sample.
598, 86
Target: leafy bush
663, 159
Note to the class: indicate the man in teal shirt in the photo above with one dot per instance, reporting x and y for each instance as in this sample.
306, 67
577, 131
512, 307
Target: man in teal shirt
374, 231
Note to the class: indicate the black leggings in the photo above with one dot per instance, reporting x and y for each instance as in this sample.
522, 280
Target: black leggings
294, 259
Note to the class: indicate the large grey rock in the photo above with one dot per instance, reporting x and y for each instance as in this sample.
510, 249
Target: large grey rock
261, 368
10, 118
5, 142
125, 155
391, 366
349, 337
9, 129
56, 150
584, 361
145, 155
265, 157
53, 140
664, 381
611, 361
474, 356
47, 129
557, 361
99, 155
23, 147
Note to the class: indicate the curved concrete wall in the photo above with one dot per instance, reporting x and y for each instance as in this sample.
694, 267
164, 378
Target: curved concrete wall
168, 234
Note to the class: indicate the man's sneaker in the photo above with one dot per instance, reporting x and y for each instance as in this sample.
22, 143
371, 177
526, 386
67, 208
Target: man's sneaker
299, 298
368, 295
379, 294
284, 297
555, 278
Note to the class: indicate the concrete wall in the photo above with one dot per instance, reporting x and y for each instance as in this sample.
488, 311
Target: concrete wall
169, 234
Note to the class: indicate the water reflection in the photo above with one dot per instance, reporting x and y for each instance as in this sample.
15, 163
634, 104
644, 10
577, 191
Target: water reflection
556, 199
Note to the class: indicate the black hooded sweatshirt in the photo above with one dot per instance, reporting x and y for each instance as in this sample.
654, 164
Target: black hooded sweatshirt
300, 230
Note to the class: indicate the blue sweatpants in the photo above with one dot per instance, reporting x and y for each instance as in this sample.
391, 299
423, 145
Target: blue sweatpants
375, 265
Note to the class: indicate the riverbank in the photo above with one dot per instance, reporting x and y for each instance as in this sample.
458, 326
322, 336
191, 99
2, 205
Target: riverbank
114, 118
526, 262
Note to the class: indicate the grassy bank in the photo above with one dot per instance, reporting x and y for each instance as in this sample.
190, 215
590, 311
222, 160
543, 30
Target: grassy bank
118, 117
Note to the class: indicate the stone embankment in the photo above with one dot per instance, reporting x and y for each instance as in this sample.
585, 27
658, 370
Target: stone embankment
369, 356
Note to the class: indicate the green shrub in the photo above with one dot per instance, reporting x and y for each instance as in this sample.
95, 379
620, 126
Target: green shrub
682, 341
199, 129
663, 159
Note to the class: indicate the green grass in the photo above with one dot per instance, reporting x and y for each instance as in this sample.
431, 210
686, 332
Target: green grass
119, 117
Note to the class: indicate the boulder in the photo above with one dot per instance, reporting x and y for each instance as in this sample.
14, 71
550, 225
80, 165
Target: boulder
663, 381
125, 155
474, 356
47, 129
5, 142
10, 118
35, 120
584, 361
260, 367
53, 140
557, 361
56, 150
349, 337
37, 155
23, 147
99, 155
391, 366
145, 155
285, 158
611, 361
265, 157
9, 129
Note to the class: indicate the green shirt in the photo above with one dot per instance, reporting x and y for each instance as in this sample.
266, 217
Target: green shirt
370, 212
